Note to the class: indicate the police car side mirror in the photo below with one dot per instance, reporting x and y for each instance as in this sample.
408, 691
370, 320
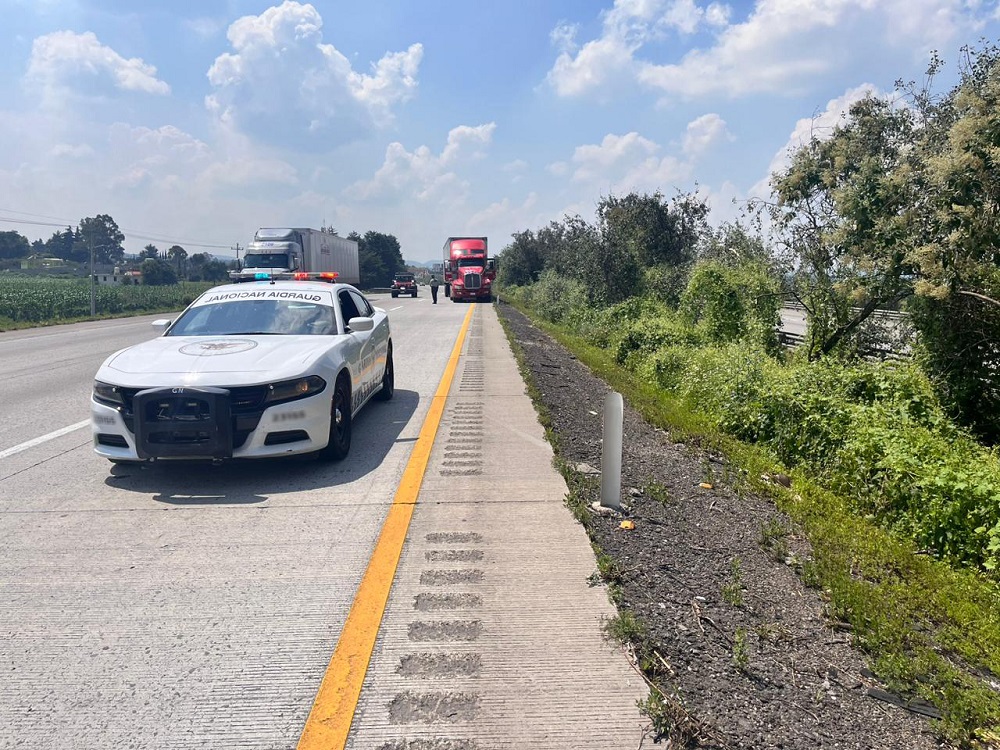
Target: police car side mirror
361, 324
161, 325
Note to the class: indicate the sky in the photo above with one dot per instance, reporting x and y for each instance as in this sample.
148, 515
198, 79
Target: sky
195, 122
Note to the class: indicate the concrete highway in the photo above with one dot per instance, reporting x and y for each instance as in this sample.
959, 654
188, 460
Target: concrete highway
181, 607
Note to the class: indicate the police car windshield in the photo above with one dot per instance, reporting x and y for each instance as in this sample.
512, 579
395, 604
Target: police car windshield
256, 317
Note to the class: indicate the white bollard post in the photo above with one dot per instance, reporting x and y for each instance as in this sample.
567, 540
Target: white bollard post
611, 453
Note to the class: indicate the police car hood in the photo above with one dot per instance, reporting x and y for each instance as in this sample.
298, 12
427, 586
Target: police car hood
216, 360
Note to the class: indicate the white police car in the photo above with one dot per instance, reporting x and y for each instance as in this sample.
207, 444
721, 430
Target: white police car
272, 367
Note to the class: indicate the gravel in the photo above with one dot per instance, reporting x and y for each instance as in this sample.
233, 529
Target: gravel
745, 653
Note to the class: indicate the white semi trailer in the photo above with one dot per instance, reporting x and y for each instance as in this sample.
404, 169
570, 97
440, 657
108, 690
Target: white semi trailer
277, 250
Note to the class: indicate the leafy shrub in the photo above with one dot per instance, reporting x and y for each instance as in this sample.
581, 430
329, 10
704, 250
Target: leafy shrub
645, 336
926, 479
554, 296
875, 433
666, 366
730, 303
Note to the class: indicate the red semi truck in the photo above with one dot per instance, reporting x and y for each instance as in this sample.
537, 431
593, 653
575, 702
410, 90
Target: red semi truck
468, 270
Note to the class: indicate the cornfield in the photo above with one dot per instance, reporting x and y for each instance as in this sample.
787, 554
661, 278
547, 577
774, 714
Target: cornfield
47, 300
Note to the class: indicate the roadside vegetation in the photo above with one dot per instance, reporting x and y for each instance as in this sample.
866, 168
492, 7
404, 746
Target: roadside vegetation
27, 301
48, 282
893, 462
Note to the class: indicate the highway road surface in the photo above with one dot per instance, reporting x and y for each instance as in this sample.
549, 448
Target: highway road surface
181, 607
432, 590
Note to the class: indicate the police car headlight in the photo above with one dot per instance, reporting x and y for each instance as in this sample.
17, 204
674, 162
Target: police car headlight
105, 393
289, 390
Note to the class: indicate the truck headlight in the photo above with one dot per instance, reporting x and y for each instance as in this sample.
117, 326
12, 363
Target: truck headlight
289, 390
107, 394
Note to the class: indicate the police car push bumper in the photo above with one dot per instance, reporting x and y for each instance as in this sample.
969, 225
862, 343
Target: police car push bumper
197, 423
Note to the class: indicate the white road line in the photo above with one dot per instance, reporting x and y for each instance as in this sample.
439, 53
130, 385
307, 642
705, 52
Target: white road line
44, 439
393, 309
53, 333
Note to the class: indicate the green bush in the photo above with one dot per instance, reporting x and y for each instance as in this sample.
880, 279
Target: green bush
554, 296
645, 336
875, 433
933, 484
730, 303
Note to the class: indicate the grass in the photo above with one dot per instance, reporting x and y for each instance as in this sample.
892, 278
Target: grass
930, 631
732, 592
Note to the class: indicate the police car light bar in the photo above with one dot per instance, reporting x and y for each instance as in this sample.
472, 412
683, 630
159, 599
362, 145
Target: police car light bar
328, 276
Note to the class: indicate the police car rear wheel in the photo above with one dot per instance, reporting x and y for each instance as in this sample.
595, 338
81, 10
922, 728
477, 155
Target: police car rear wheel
339, 443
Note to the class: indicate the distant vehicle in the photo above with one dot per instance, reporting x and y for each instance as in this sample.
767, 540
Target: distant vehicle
468, 270
282, 250
403, 283
250, 370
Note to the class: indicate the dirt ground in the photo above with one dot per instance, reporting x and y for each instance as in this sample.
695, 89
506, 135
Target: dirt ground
746, 655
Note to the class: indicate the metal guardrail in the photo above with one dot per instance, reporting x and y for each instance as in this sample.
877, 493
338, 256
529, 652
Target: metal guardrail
884, 314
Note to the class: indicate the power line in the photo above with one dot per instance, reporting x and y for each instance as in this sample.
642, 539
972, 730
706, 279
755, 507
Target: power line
134, 235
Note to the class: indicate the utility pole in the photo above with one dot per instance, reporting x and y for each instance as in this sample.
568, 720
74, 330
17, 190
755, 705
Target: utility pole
238, 248
93, 280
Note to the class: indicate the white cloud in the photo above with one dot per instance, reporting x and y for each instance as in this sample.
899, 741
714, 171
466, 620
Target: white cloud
204, 27
558, 169
626, 163
717, 14
703, 133
78, 151
607, 62
517, 169
783, 46
65, 62
283, 84
595, 66
683, 15
504, 212
427, 174
563, 37
594, 162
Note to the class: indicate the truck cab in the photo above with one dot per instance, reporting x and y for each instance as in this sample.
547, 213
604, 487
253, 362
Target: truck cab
272, 257
468, 270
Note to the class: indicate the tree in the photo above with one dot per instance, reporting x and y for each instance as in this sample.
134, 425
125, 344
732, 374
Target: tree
660, 237
177, 255
14, 245
101, 236
157, 272
379, 257
610, 273
732, 244
196, 266
843, 208
521, 262
60, 244
214, 270
150, 251
956, 251
654, 231
738, 301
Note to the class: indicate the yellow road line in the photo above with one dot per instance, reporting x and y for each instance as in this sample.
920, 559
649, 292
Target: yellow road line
329, 720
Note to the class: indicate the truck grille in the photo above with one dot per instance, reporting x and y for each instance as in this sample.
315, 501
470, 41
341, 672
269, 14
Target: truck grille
473, 280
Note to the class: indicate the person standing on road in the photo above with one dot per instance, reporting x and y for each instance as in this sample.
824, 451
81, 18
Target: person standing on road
434, 289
